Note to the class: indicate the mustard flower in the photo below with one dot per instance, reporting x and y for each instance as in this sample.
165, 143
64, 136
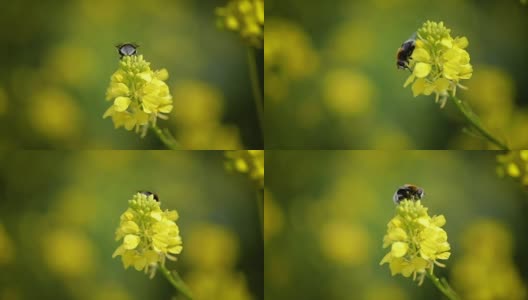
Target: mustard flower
245, 17
417, 241
438, 62
249, 162
148, 235
514, 164
139, 95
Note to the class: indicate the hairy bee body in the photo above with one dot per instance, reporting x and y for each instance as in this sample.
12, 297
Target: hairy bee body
409, 192
404, 53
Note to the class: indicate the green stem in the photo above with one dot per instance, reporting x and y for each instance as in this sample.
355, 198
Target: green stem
476, 124
443, 286
260, 204
177, 282
165, 138
255, 86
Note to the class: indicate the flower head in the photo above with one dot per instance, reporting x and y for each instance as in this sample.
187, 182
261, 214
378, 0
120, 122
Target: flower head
417, 241
515, 165
246, 17
438, 62
148, 234
250, 162
139, 95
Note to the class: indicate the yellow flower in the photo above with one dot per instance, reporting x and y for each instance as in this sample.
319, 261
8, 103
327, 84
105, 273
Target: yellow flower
417, 241
149, 235
139, 95
515, 165
438, 62
246, 17
250, 162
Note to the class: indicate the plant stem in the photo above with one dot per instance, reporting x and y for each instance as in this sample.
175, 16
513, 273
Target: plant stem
476, 124
177, 282
443, 286
255, 86
165, 138
260, 204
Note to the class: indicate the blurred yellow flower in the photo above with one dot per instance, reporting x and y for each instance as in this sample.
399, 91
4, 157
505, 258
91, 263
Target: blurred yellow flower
492, 95
344, 243
285, 62
7, 249
514, 164
211, 247
69, 253
58, 64
349, 93
54, 114
342, 46
198, 114
245, 17
438, 62
249, 162
417, 241
488, 271
149, 234
139, 95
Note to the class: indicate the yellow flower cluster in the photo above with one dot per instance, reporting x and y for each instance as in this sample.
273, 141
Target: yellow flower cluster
417, 241
148, 234
438, 62
486, 270
250, 162
514, 164
139, 95
246, 17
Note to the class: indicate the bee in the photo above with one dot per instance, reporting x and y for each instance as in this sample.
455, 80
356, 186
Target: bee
147, 193
409, 192
127, 49
405, 52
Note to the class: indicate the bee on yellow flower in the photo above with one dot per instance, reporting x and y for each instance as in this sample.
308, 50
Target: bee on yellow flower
140, 96
417, 241
148, 235
438, 62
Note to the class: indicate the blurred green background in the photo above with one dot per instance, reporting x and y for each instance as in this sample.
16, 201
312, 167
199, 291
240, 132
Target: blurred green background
59, 212
57, 58
326, 213
332, 81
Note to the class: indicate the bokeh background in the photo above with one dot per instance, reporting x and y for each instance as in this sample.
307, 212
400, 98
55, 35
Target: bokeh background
332, 81
326, 213
59, 212
56, 66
